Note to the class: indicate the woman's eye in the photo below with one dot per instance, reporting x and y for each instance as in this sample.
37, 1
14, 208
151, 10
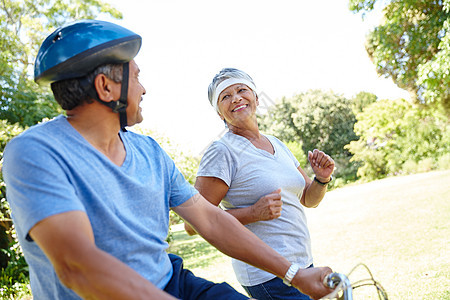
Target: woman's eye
224, 97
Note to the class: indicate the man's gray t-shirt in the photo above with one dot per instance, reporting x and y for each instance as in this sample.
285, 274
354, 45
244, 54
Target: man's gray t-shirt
251, 173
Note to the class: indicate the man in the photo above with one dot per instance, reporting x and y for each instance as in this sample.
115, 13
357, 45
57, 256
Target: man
90, 201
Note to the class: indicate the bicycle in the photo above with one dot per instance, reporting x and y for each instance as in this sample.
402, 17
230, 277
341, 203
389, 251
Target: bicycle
343, 288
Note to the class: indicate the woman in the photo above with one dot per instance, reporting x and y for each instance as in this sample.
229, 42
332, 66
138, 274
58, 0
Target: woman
244, 166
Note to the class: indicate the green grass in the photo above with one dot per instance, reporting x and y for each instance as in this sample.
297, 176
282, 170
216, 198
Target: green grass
399, 227
203, 259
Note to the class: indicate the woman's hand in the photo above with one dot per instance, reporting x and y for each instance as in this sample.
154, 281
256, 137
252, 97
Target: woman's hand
268, 207
322, 165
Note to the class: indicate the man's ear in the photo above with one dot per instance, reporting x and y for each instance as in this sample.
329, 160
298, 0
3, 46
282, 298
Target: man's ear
257, 100
107, 89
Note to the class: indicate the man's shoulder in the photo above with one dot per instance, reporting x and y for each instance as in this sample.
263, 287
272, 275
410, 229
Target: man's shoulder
144, 144
40, 132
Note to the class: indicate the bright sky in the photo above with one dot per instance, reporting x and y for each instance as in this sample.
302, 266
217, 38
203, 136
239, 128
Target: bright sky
286, 46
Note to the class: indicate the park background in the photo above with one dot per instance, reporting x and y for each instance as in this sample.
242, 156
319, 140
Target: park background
366, 81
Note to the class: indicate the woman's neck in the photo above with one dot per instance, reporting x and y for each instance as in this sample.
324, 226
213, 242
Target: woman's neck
249, 132
254, 136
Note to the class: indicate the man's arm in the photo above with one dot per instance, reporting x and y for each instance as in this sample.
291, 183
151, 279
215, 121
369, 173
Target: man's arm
68, 241
229, 236
214, 190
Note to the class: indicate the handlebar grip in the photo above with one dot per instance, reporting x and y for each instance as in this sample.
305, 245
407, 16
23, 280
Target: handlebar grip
332, 280
341, 281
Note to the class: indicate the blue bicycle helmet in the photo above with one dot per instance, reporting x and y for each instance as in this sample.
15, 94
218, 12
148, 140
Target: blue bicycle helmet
76, 49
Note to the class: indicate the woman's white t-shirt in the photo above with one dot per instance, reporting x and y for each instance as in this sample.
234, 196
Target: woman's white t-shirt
251, 173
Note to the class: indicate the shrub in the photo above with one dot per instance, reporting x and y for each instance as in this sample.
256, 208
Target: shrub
297, 151
443, 162
345, 169
394, 134
339, 182
14, 280
425, 165
410, 167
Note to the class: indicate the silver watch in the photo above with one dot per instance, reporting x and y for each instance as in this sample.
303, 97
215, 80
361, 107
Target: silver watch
293, 269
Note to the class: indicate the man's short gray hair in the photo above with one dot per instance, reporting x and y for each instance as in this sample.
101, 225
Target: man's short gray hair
69, 93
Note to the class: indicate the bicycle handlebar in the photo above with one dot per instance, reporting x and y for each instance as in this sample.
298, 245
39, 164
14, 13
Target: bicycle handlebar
343, 288
338, 282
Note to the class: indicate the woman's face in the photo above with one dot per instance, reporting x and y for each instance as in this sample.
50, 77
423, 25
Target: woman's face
237, 103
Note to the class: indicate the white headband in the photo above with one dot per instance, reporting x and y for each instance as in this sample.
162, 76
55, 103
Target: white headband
226, 83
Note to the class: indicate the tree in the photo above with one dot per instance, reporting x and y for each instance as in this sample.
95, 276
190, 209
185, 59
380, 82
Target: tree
362, 100
316, 120
394, 132
434, 75
24, 25
411, 46
278, 121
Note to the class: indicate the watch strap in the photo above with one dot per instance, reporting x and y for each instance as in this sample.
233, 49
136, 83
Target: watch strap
293, 269
322, 183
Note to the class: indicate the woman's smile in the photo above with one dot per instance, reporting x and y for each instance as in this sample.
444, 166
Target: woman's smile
240, 107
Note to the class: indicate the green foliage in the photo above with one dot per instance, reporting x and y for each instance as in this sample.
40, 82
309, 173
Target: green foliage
361, 101
320, 120
14, 281
411, 46
345, 171
325, 121
398, 137
26, 104
25, 24
278, 121
443, 162
434, 76
7, 132
358, 5
411, 166
297, 151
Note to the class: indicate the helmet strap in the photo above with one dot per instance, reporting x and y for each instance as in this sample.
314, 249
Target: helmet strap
119, 106
123, 103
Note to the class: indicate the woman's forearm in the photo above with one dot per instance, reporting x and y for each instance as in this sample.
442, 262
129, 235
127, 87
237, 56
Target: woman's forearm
244, 215
314, 194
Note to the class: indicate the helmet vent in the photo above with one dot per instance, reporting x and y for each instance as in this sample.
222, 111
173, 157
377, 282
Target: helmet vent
57, 37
